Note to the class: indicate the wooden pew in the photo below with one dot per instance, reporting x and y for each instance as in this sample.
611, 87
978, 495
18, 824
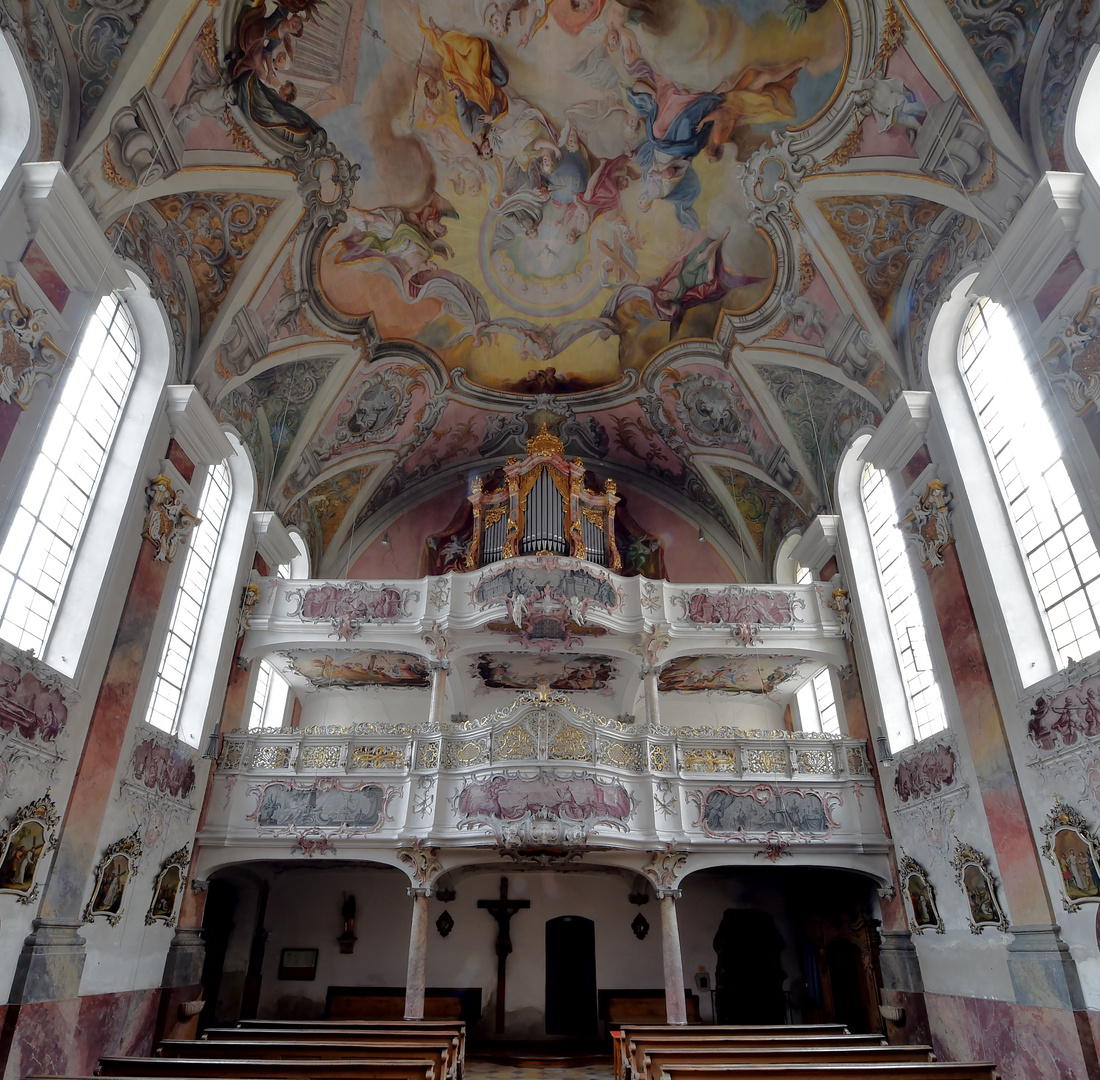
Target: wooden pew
453, 1034
885, 1070
159, 1068
624, 1035
435, 1050
336, 1028
781, 1052
634, 1046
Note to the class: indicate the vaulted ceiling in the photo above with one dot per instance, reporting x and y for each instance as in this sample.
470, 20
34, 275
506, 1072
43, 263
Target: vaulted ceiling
700, 239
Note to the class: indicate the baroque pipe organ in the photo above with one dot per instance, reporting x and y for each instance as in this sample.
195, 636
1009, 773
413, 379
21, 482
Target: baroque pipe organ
544, 508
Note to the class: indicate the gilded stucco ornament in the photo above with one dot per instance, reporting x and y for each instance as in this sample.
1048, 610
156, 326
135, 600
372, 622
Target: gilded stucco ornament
424, 866
168, 521
28, 354
928, 523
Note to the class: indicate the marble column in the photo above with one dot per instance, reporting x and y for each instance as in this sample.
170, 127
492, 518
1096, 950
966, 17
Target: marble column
440, 670
416, 977
652, 704
675, 1005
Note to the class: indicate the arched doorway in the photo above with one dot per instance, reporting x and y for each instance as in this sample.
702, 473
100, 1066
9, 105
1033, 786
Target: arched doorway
571, 977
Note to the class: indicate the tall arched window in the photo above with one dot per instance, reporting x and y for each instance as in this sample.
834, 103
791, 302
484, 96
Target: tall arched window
1036, 485
38, 550
899, 591
165, 704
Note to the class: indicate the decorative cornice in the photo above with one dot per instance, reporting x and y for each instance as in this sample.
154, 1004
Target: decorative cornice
1042, 233
819, 542
901, 433
194, 427
273, 542
68, 233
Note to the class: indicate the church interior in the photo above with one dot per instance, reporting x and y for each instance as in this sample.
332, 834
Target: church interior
544, 516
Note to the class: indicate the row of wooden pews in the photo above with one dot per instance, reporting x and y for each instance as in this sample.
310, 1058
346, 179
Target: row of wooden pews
780, 1052
305, 1050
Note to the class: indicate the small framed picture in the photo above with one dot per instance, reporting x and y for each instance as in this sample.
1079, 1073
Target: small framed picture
298, 964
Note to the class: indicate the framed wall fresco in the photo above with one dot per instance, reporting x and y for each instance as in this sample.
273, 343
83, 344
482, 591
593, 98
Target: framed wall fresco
1073, 849
31, 832
972, 874
924, 914
118, 865
735, 813
170, 879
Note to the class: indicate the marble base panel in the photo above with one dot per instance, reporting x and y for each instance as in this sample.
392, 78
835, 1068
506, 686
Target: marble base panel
67, 1038
1026, 1042
913, 1028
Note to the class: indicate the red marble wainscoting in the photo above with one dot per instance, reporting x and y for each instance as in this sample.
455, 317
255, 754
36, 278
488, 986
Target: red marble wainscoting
67, 1038
913, 1029
1025, 1042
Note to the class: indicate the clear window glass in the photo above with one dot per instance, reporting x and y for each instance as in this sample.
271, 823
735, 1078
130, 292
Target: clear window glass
899, 590
817, 709
191, 597
269, 700
1049, 522
38, 550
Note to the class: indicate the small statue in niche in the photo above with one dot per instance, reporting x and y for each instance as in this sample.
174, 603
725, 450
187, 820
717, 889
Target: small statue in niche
347, 939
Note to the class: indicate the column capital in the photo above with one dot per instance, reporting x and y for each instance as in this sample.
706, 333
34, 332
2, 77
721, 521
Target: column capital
668, 894
901, 433
416, 892
651, 669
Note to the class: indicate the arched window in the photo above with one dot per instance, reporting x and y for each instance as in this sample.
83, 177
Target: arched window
165, 705
42, 539
817, 708
899, 591
269, 699
1036, 485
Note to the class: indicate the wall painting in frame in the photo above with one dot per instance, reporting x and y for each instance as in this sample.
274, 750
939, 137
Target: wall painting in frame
172, 875
924, 912
973, 876
116, 868
31, 832
1073, 849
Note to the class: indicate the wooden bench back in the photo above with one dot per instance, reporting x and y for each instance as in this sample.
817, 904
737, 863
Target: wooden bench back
433, 1049
892, 1070
157, 1068
779, 1054
632, 1046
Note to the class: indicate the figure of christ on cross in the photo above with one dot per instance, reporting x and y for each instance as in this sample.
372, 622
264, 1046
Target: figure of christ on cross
502, 910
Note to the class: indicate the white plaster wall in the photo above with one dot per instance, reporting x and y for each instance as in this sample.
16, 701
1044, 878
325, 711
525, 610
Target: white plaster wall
405, 705
304, 911
714, 709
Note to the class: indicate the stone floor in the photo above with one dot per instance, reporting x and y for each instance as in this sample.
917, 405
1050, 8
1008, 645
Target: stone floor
483, 1070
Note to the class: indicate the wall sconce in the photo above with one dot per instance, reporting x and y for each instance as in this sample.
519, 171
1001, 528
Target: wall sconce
640, 926
445, 896
386, 538
444, 924
347, 939
702, 538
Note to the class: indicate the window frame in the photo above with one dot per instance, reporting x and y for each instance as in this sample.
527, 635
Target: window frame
1005, 602
883, 684
1084, 497
208, 671
99, 572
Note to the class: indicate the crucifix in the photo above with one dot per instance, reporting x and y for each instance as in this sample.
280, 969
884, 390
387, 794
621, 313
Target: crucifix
502, 910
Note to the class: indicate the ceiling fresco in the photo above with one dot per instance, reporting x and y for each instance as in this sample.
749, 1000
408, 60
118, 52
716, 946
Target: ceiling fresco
703, 241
